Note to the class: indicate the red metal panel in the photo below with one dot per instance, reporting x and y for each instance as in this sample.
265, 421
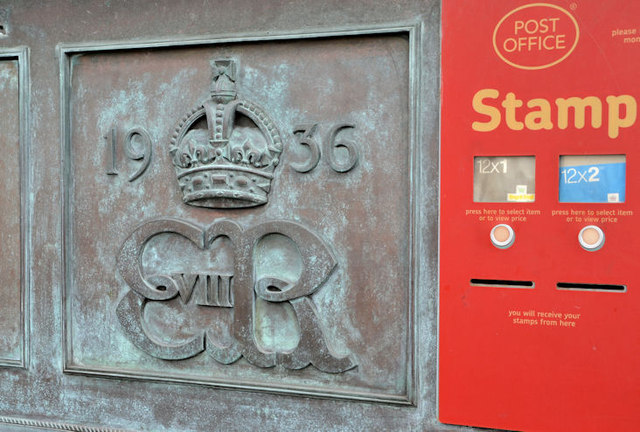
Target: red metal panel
545, 357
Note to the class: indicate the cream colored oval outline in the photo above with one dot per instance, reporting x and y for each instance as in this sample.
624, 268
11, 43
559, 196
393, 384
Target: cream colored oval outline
495, 32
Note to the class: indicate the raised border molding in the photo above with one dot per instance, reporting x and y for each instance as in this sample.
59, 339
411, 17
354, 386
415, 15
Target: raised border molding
48, 425
21, 55
414, 33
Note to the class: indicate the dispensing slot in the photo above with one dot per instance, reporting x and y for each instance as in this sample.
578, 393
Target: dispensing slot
501, 283
590, 287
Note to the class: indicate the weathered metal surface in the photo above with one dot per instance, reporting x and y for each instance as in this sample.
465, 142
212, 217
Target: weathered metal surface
306, 276
13, 322
158, 284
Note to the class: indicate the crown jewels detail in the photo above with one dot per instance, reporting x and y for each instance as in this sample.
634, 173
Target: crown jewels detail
225, 151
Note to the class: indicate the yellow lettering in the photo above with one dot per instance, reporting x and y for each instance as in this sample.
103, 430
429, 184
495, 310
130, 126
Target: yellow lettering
541, 118
519, 25
544, 27
510, 103
622, 111
615, 121
579, 107
492, 112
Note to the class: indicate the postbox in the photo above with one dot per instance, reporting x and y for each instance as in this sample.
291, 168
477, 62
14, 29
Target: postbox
218, 216
539, 233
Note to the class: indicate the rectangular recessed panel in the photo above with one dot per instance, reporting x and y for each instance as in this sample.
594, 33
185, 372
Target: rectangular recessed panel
504, 179
12, 319
238, 214
593, 178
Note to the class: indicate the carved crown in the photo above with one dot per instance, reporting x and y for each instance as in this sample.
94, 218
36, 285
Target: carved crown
225, 150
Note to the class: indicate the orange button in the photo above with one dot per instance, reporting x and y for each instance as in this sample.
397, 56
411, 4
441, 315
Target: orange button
502, 236
591, 238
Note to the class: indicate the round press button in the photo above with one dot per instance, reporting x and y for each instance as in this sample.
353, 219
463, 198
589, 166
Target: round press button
591, 238
502, 236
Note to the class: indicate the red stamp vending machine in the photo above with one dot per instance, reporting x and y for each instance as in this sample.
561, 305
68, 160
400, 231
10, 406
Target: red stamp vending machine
540, 215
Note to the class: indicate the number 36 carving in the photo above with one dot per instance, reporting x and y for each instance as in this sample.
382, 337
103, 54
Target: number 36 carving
306, 136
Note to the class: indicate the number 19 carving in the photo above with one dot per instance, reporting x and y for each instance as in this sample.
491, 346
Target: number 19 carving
137, 147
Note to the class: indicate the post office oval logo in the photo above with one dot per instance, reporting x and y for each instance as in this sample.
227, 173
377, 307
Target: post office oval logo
536, 36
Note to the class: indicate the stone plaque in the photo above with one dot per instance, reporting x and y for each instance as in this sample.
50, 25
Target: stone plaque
238, 212
13, 285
